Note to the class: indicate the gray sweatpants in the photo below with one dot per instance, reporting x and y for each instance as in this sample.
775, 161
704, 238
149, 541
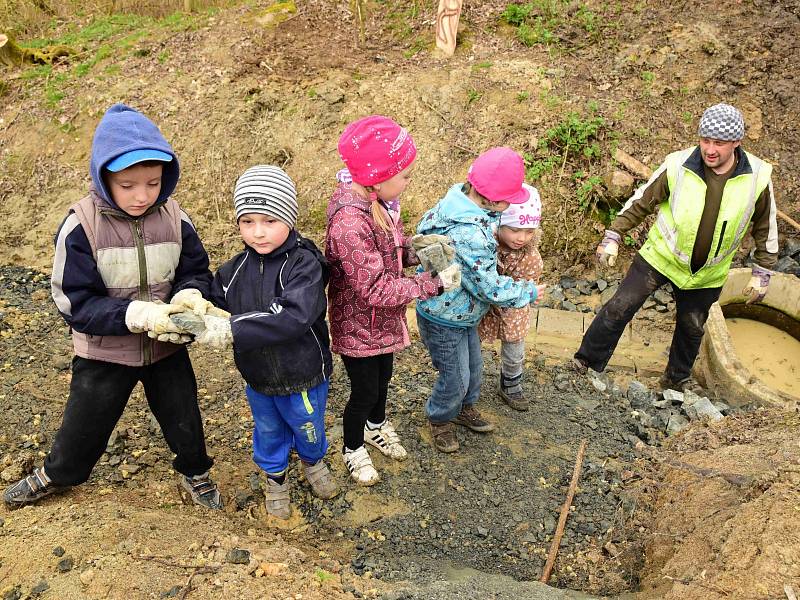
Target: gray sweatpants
512, 356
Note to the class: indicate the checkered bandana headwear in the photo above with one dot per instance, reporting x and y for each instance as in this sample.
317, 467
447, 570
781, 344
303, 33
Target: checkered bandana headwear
375, 149
266, 190
722, 122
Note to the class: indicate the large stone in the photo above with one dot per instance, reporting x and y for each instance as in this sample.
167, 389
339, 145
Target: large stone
639, 395
619, 184
786, 265
607, 294
673, 396
791, 247
662, 296
702, 408
676, 423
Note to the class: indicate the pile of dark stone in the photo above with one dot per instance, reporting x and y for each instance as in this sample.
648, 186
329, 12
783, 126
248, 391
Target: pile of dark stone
670, 411
580, 295
789, 257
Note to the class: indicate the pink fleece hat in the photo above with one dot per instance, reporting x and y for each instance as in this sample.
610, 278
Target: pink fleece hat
375, 149
498, 175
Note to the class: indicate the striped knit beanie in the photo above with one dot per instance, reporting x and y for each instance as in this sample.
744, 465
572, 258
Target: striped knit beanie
267, 190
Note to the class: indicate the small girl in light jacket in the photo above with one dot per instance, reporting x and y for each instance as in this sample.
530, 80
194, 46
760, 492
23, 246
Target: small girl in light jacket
518, 257
368, 292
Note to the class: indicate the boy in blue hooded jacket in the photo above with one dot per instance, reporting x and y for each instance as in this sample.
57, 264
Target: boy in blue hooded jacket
448, 324
122, 252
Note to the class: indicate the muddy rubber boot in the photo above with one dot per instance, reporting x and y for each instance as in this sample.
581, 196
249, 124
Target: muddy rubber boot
512, 394
320, 479
277, 500
444, 437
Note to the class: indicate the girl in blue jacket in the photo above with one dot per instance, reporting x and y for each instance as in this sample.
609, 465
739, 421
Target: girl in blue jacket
469, 214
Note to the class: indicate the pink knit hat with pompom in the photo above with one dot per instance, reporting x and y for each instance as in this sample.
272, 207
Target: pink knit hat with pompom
375, 149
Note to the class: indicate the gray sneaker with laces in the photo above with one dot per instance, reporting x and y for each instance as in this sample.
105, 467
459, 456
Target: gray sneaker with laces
201, 490
30, 489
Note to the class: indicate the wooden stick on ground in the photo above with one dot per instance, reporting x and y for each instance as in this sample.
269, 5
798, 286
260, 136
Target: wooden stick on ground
787, 589
562, 519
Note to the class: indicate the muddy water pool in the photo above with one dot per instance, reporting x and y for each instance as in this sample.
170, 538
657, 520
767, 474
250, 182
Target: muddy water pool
768, 353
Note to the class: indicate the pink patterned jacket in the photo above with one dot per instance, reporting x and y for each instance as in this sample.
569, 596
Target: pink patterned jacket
368, 291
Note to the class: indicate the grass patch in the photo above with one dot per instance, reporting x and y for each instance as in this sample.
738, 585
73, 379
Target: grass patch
553, 23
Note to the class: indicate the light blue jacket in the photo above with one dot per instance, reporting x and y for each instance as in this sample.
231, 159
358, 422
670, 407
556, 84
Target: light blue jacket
472, 231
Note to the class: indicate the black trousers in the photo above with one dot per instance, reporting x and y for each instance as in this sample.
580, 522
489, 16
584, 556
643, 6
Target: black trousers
98, 394
369, 386
641, 280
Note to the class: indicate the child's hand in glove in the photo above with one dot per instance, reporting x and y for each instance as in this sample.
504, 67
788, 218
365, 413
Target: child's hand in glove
191, 299
451, 277
152, 317
420, 241
218, 332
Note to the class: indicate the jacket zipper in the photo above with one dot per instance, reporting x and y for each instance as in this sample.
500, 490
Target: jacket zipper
144, 291
721, 236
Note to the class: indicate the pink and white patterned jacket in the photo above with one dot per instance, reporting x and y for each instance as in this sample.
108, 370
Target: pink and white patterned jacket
368, 291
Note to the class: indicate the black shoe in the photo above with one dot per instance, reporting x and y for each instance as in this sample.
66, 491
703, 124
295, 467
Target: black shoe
689, 384
512, 394
577, 365
30, 489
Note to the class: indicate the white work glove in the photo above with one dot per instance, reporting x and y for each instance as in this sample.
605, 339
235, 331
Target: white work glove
217, 334
451, 277
756, 288
191, 299
152, 317
172, 338
608, 249
420, 241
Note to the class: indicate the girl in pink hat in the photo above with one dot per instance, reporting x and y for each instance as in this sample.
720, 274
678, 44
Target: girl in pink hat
368, 292
518, 257
468, 215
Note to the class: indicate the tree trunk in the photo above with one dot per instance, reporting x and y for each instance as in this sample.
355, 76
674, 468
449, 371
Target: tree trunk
188, 6
10, 54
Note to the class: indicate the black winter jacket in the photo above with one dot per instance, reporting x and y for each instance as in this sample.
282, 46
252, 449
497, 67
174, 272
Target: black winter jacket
278, 305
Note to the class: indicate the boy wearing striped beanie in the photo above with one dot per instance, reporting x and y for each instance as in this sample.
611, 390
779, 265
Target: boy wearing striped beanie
275, 292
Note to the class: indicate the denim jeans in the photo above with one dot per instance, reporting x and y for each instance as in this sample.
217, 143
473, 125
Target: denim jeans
456, 354
691, 308
285, 422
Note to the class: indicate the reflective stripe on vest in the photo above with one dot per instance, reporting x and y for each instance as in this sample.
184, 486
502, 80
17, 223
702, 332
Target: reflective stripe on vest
672, 237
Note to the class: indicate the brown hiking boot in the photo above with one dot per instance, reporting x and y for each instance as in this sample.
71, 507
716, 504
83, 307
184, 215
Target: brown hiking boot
577, 365
444, 437
511, 392
470, 417
689, 384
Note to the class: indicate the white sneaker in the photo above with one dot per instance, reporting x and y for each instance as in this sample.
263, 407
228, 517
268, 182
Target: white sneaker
360, 466
386, 440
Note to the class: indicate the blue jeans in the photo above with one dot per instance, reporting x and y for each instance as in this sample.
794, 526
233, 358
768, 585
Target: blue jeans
285, 422
456, 354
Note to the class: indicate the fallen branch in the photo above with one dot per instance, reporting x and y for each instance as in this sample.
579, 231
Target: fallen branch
188, 587
790, 595
166, 561
562, 519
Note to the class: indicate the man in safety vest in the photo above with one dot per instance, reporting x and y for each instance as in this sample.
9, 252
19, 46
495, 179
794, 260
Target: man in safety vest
706, 197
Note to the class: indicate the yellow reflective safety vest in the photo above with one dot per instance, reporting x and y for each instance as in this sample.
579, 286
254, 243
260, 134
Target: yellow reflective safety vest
670, 241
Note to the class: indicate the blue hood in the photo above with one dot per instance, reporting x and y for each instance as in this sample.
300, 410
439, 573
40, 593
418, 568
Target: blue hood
121, 130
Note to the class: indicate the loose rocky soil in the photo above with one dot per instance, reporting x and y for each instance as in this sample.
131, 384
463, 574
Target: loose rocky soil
712, 514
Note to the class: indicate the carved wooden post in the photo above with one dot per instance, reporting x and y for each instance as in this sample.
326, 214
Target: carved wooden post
447, 25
